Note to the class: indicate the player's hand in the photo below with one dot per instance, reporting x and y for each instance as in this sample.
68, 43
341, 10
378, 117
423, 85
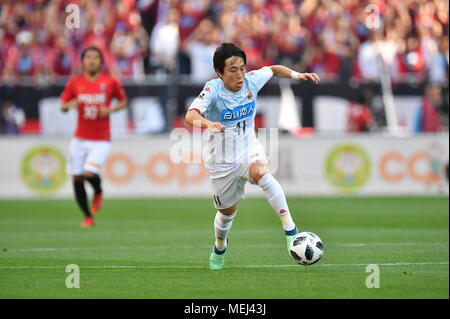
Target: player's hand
309, 76
69, 105
104, 111
215, 127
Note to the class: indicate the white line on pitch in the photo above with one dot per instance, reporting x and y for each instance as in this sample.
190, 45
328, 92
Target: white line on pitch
205, 267
41, 249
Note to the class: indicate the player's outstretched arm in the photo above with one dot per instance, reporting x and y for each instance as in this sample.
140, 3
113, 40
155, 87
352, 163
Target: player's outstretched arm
194, 118
284, 72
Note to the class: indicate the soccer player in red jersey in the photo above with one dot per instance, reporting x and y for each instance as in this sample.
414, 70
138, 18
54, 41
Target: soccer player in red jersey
91, 94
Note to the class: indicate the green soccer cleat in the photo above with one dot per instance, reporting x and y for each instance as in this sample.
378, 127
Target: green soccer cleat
216, 261
290, 235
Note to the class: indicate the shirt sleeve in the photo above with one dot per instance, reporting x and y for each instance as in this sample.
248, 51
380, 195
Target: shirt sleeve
205, 98
118, 91
69, 92
260, 77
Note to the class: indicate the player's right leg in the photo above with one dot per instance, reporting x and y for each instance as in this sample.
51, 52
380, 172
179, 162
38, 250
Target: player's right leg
227, 191
75, 162
81, 198
222, 226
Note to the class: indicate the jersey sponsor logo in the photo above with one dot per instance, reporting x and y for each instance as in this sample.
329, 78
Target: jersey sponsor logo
238, 113
92, 98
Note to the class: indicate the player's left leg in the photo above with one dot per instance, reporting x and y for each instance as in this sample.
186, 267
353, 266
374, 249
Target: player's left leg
92, 168
259, 174
95, 181
81, 198
75, 161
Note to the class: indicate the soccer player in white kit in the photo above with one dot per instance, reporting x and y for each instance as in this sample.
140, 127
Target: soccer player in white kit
227, 108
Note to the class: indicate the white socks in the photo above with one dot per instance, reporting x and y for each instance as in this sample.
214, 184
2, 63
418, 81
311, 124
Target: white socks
222, 225
275, 195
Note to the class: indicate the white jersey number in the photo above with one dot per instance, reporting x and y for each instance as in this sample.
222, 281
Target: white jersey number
90, 112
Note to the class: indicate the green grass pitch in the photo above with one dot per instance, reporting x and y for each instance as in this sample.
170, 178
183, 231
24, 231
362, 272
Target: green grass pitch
159, 248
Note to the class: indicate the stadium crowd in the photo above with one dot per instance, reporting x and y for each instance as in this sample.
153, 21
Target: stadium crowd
340, 40
140, 37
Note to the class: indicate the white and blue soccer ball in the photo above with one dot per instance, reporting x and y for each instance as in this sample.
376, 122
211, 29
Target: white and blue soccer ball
306, 248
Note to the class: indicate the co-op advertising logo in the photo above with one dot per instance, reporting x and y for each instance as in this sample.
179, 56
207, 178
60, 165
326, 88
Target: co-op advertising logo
425, 165
43, 169
348, 167
121, 168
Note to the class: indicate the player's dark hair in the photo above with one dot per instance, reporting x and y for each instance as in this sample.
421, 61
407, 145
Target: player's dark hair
92, 48
225, 51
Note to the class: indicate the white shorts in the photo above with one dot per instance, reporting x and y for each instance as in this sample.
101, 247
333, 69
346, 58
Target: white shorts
229, 189
86, 155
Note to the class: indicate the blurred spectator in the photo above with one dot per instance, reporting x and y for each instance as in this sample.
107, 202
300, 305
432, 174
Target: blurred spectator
192, 13
389, 49
5, 44
63, 59
319, 62
368, 59
359, 116
436, 63
293, 42
200, 47
12, 118
25, 58
164, 43
428, 114
412, 60
340, 46
127, 52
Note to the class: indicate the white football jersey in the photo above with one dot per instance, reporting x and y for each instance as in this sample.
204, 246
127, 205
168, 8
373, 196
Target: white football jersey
236, 111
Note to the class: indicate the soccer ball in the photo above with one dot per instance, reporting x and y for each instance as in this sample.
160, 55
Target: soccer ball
306, 248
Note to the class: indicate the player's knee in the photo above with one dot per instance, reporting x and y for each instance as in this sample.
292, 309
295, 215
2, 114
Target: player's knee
257, 176
258, 171
229, 211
